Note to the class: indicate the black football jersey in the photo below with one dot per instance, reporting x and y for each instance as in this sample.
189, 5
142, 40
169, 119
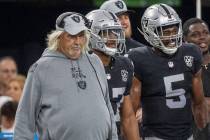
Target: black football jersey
166, 90
119, 76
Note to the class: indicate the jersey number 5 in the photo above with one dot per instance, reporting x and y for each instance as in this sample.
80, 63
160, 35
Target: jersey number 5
171, 93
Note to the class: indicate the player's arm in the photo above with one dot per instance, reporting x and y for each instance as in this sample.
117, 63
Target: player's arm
135, 93
129, 122
199, 106
208, 104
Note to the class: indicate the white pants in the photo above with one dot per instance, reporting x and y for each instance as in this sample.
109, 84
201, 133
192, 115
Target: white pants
155, 138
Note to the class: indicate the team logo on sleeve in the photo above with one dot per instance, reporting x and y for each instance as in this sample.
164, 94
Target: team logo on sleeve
188, 60
124, 74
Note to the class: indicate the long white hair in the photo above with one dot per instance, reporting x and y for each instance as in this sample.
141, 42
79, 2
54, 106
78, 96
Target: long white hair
53, 40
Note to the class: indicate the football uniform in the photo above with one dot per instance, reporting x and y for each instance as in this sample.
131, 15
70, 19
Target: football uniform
166, 90
119, 76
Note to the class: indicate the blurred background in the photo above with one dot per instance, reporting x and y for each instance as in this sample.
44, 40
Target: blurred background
25, 23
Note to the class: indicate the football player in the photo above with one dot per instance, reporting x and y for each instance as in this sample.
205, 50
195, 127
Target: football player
107, 39
196, 31
168, 78
119, 8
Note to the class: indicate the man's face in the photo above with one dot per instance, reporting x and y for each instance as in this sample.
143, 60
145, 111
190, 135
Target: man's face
71, 45
126, 24
199, 35
111, 38
168, 36
8, 69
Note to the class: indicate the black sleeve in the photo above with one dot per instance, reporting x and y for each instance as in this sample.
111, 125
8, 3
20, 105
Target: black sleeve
192, 56
197, 58
130, 69
135, 58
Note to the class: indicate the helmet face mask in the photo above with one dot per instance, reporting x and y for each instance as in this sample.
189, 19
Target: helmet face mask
113, 38
107, 34
162, 28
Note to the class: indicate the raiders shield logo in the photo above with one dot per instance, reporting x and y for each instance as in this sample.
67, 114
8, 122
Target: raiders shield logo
188, 60
76, 19
119, 4
82, 84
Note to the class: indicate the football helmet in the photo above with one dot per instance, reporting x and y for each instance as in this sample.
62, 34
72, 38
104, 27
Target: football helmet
105, 29
155, 19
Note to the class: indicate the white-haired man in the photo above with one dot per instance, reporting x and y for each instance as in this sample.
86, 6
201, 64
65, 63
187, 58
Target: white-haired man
66, 94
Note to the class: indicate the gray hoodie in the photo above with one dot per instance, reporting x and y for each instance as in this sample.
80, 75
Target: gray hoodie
56, 107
